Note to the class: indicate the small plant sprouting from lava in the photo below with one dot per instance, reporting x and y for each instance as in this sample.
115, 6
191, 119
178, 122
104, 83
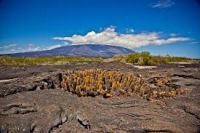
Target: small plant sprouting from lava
95, 82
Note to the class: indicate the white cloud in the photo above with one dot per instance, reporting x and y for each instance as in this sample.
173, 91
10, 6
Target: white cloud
14, 48
173, 34
32, 47
110, 37
195, 42
54, 46
163, 4
7, 46
130, 30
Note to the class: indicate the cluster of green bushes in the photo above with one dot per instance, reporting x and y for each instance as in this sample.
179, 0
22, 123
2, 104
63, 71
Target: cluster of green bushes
145, 58
8, 60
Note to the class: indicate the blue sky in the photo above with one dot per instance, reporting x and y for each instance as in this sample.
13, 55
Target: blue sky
159, 26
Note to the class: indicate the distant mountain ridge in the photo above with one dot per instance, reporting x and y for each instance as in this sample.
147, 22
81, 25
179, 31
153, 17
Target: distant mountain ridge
86, 50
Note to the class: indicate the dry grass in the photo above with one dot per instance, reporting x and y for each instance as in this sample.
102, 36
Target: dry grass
50, 60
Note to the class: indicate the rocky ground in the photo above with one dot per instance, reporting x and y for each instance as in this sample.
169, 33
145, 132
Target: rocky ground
32, 100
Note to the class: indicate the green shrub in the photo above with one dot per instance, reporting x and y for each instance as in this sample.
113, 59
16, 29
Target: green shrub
145, 58
119, 58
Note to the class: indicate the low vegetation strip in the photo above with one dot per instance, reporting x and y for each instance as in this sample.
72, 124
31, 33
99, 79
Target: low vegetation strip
145, 58
54, 60
93, 82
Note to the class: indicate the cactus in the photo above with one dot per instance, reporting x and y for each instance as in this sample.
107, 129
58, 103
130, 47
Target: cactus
93, 82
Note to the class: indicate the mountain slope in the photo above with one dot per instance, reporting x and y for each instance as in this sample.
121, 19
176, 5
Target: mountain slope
88, 50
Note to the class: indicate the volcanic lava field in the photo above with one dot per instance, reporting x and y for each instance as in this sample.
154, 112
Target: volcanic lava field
100, 97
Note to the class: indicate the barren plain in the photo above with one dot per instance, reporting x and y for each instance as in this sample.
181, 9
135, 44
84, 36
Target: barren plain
34, 99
